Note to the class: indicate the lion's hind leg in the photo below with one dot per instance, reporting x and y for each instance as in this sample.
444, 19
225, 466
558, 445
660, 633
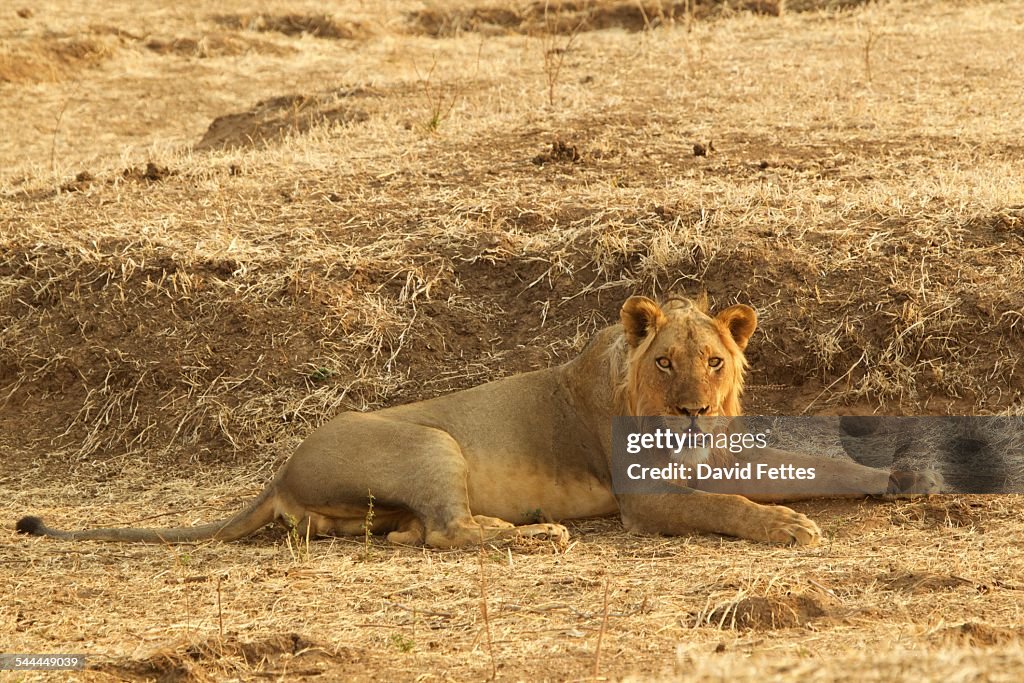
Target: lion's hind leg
485, 521
412, 532
468, 532
431, 486
482, 528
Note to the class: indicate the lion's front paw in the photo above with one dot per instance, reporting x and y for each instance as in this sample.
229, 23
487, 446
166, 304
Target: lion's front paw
791, 527
912, 484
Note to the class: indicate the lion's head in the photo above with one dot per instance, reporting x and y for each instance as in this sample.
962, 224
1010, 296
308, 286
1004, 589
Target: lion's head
680, 360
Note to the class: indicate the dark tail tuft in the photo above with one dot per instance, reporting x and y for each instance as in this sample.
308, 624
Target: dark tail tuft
31, 525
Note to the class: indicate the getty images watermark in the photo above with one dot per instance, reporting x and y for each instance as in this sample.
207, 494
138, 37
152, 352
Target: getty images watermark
971, 454
690, 444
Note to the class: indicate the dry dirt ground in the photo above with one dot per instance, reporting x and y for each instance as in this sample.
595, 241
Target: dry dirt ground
223, 222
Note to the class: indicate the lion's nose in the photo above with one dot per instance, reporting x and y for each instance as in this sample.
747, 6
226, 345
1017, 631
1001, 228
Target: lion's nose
692, 411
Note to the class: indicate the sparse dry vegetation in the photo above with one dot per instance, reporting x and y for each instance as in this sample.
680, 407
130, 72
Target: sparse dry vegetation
222, 223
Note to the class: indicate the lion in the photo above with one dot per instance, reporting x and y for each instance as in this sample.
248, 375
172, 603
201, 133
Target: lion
477, 465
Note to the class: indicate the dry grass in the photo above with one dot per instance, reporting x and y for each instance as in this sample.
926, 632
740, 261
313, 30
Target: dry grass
387, 211
924, 593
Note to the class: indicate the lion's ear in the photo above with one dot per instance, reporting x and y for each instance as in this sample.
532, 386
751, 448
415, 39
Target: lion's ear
740, 321
640, 316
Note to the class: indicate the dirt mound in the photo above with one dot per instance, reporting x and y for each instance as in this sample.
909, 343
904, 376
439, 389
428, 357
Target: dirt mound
560, 152
50, 58
319, 25
214, 45
150, 173
447, 22
575, 16
275, 655
817, 5
763, 614
921, 582
976, 634
82, 182
274, 119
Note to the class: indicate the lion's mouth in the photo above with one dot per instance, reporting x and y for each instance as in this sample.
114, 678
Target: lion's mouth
704, 424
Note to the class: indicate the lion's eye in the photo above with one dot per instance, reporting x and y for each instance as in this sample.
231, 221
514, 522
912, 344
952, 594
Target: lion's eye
664, 363
715, 362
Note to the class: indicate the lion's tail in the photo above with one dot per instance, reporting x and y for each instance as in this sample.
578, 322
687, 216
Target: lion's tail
257, 514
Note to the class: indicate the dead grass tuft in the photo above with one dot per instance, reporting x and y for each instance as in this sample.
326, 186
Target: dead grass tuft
949, 512
317, 25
